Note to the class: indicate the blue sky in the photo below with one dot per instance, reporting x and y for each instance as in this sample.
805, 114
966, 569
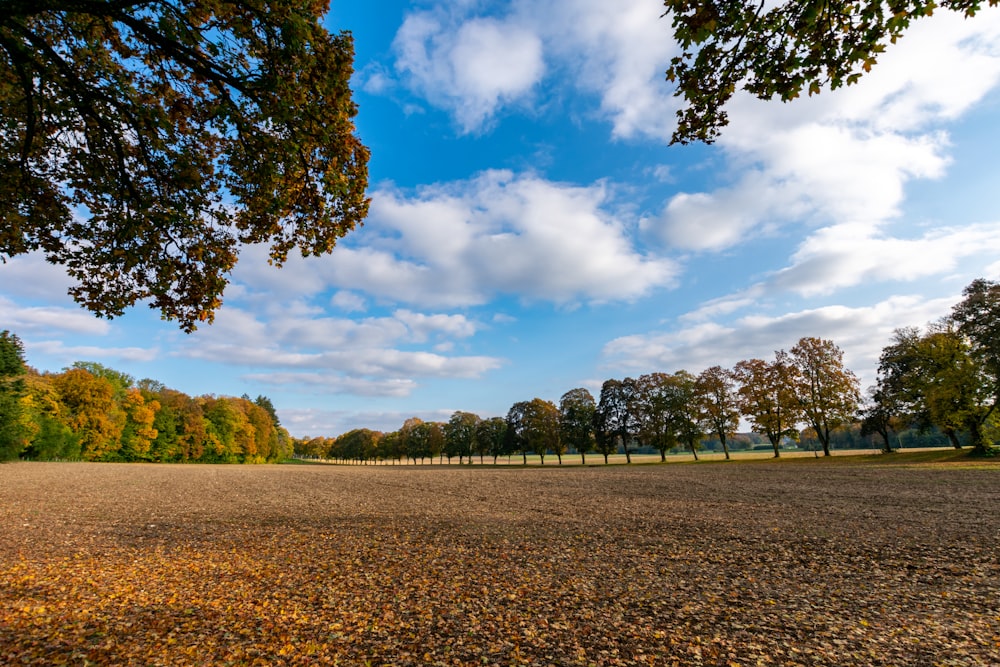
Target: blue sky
531, 231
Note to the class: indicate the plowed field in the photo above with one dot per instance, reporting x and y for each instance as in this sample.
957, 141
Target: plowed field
795, 563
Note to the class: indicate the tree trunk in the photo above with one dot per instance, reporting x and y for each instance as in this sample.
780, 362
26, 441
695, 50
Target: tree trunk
583, 458
725, 447
694, 450
953, 437
605, 459
774, 443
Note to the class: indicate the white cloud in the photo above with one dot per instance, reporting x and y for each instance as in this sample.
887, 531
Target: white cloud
839, 165
463, 243
28, 319
470, 67
70, 353
336, 384
32, 277
474, 65
349, 301
861, 332
370, 356
851, 254
313, 422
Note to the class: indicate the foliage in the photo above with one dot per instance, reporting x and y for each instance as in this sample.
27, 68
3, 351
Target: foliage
658, 398
460, 435
491, 438
827, 391
716, 398
617, 417
13, 430
576, 421
779, 49
533, 426
767, 397
144, 142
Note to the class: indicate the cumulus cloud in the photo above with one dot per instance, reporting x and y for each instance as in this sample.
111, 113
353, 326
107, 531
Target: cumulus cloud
316, 422
336, 384
471, 67
30, 319
844, 157
861, 332
69, 353
851, 254
463, 243
369, 356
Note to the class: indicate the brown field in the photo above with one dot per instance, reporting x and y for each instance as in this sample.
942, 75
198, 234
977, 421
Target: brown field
752, 563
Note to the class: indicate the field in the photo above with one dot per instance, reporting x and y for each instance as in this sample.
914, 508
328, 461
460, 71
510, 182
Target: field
839, 562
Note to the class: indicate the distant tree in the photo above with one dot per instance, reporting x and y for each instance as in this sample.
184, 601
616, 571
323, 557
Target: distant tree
491, 436
542, 429
139, 431
779, 49
13, 430
413, 442
515, 439
827, 391
767, 397
532, 426
879, 416
50, 437
977, 318
655, 402
718, 403
435, 439
576, 421
145, 143
120, 381
92, 414
686, 411
617, 417
460, 435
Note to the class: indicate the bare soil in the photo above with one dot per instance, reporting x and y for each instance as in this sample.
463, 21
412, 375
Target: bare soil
715, 564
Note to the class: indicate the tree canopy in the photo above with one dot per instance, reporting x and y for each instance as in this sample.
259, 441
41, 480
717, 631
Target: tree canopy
779, 49
145, 141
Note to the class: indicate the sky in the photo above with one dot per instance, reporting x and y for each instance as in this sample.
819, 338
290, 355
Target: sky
531, 231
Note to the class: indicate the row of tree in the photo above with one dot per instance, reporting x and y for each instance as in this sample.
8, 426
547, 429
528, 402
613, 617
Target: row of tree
95, 413
658, 410
944, 379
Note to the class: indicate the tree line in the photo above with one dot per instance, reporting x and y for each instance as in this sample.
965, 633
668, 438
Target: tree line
93, 413
944, 379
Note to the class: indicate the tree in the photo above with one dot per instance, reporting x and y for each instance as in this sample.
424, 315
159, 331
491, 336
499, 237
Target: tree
92, 413
767, 397
827, 391
946, 384
977, 318
576, 421
779, 49
460, 435
178, 131
533, 426
685, 411
654, 404
491, 437
13, 433
617, 416
718, 407
879, 416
